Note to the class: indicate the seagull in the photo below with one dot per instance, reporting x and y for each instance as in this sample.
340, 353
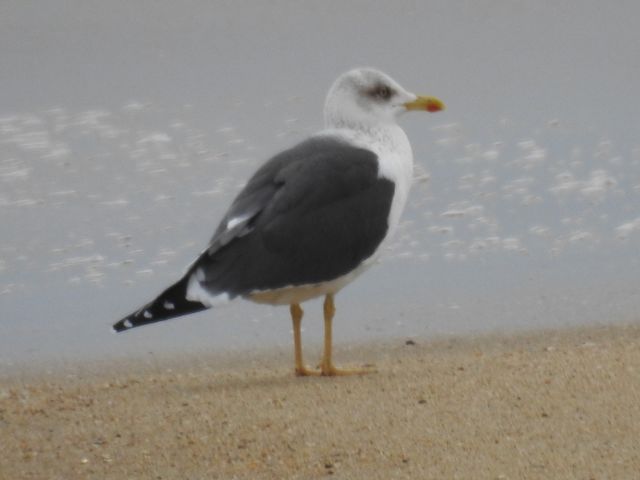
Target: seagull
312, 218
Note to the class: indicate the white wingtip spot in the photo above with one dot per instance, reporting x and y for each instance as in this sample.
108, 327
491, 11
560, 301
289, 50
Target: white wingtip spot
147, 314
127, 323
168, 305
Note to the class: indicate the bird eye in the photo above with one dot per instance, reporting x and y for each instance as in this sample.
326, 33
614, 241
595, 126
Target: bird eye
381, 92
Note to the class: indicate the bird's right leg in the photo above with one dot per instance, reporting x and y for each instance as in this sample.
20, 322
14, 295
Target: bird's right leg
296, 317
326, 365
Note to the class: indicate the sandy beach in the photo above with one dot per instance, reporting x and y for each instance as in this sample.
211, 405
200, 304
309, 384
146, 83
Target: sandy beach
562, 404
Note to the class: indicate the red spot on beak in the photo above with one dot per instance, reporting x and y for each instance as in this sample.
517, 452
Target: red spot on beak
434, 107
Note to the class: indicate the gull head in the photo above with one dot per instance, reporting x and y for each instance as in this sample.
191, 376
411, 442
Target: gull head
365, 98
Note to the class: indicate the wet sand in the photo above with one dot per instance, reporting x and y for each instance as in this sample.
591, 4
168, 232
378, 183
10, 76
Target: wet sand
559, 404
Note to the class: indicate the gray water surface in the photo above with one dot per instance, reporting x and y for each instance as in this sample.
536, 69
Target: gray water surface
127, 129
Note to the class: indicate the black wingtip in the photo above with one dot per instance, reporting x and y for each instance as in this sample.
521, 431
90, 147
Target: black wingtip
169, 304
122, 326
146, 315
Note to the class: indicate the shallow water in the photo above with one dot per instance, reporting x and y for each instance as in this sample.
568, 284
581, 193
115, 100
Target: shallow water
124, 138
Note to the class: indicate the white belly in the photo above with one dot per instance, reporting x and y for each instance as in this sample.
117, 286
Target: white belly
302, 293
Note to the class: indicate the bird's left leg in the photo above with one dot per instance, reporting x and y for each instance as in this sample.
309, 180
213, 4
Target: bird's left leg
326, 365
296, 317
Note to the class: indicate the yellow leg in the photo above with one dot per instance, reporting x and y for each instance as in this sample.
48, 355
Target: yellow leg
296, 317
326, 365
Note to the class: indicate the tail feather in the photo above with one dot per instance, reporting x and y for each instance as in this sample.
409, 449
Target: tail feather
169, 304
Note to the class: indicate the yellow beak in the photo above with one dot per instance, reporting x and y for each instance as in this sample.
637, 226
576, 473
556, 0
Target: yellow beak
430, 104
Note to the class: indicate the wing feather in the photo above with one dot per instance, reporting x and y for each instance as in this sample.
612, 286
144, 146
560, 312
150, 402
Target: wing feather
309, 215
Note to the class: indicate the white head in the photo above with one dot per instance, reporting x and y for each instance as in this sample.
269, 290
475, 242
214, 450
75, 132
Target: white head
365, 97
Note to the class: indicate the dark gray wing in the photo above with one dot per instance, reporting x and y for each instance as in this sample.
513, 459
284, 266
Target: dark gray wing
310, 214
